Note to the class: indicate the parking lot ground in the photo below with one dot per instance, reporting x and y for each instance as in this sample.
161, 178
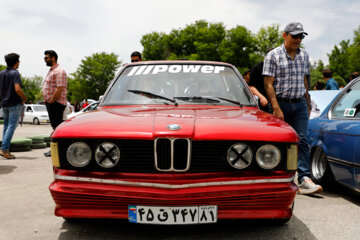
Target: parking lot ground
27, 211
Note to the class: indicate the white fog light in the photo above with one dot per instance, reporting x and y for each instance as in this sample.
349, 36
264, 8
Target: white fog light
268, 156
239, 155
107, 155
78, 154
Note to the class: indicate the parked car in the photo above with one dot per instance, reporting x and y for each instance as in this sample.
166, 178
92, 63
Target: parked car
335, 139
175, 142
91, 107
320, 99
36, 114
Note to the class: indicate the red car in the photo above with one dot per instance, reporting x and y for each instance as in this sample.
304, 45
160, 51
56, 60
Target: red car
180, 142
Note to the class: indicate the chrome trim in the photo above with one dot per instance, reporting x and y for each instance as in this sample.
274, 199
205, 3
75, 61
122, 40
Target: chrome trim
172, 169
173, 186
343, 162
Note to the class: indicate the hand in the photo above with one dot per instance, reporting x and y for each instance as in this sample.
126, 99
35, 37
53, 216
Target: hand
278, 113
263, 101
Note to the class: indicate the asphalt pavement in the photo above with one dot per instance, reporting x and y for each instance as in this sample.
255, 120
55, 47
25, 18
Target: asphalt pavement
26, 211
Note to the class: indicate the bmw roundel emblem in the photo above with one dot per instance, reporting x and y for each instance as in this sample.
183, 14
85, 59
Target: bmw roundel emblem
173, 127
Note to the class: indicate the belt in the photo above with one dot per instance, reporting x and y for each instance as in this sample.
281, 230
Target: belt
289, 100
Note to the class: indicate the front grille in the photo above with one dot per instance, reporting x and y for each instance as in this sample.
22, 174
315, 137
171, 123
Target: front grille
139, 155
172, 155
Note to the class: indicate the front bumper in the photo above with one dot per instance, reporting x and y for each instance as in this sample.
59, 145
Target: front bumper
107, 195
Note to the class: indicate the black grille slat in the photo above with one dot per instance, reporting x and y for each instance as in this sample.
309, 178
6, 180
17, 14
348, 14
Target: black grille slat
163, 150
181, 147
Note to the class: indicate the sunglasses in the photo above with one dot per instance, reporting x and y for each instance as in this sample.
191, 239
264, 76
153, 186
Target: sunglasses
135, 60
46, 58
301, 36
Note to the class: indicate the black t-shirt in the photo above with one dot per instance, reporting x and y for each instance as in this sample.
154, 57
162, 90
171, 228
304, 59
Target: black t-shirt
9, 77
257, 79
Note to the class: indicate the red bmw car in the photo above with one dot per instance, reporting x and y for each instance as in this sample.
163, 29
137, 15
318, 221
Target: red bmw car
180, 142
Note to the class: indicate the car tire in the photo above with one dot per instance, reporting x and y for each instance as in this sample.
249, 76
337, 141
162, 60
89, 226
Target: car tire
320, 170
36, 121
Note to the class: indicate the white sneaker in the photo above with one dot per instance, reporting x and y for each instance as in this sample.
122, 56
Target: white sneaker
307, 186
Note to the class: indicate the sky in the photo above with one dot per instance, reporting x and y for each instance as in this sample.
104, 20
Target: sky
76, 29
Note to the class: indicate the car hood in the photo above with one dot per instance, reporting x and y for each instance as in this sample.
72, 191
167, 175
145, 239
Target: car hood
197, 123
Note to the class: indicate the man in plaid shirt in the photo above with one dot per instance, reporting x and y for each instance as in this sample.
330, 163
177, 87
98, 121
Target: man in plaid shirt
286, 83
54, 90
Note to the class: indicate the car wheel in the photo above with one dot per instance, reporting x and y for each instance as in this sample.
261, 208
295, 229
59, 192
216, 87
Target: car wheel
36, 121
320, 169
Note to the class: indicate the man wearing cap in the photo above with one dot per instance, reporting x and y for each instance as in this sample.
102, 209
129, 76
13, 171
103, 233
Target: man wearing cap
286, 83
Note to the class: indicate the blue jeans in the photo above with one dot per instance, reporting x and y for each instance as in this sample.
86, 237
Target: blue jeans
296, 115
11, 117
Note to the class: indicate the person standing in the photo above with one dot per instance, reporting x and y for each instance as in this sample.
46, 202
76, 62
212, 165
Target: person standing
13, 98
331, 84
54, 90
285, 77
135, 57
257, 85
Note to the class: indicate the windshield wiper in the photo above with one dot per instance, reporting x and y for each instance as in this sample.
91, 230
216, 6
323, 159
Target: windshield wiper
207, 99
152, 95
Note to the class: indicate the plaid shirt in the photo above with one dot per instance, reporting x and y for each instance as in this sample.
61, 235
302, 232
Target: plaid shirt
56, 77
288, 73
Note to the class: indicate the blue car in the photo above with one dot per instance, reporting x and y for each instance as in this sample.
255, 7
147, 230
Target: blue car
334, 139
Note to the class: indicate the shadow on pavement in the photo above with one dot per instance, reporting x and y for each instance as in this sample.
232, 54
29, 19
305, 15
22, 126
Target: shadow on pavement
341, 191
5, 169
121, 229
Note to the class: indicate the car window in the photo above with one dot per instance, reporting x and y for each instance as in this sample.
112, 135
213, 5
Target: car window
348, 106
40, 108
178, 81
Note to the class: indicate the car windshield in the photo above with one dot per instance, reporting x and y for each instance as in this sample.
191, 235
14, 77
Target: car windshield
40, 108
185, 84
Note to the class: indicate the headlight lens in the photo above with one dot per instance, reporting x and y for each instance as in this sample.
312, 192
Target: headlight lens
78, 154
239, 156
268, 156
107, 155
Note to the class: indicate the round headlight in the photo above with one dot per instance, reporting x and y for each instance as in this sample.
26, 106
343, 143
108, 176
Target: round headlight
78, 154
239, 155
268, 156
107, 155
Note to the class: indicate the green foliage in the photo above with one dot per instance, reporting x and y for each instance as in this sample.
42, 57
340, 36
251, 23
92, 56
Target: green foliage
268, 37
212, 42
2, 67
32, 88
92, 76
345, 57
238, 48
315, 76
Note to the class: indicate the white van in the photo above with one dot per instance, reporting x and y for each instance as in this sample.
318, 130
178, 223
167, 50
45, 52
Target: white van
36, 114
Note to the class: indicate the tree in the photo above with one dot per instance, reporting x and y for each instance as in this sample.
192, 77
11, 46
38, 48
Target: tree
339, 59
93, 76
238, 48
268, 37
2, 67
32, 88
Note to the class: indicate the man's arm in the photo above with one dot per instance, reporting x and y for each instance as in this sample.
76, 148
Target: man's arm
262, 98
20, 92
270, 91
57, 94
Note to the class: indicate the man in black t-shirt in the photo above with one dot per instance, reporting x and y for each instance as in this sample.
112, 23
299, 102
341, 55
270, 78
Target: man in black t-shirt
12, 100
257, 85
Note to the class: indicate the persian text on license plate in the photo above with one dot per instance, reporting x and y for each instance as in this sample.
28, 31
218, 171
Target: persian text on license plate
173, 215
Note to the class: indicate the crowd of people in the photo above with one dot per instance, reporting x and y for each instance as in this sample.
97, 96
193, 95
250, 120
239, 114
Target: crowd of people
280, 82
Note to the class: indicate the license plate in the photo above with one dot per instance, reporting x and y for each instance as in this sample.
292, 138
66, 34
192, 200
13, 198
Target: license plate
172, 215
